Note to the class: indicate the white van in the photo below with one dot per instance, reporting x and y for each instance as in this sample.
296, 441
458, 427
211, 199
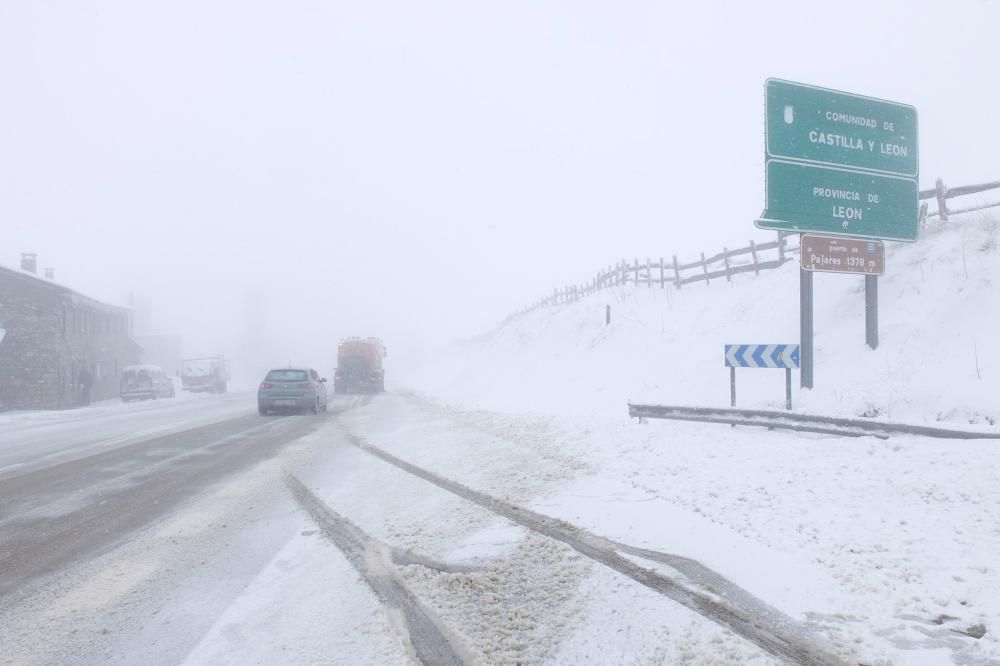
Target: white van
145, 382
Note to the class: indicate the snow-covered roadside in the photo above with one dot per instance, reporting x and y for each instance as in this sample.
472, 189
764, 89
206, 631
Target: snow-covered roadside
883, 547
870, 543
937, 360
532, 591
112, 406
43, 438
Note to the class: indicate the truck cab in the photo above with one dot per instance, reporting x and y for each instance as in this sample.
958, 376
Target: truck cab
208, 374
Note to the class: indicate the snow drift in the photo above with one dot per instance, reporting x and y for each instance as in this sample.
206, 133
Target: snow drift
938, 358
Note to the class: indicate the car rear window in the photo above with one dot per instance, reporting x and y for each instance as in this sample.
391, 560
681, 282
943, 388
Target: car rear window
288, 376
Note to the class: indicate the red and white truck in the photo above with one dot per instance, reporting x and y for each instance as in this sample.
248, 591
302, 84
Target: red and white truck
208, 374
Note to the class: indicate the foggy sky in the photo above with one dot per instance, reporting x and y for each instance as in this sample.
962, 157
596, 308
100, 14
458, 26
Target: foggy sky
417, 170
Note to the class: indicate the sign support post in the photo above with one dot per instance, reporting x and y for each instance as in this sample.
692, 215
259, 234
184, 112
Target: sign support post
806, 327
732, 386
871, 311
788, 388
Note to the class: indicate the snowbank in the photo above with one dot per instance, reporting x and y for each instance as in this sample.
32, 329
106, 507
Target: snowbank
938, 359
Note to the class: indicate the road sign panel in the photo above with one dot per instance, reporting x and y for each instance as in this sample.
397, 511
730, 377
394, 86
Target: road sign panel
762, 356
842, 255
836, 128
806, 197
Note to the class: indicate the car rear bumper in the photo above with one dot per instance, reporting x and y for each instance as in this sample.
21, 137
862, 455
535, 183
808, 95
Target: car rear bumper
277, 403
139, 394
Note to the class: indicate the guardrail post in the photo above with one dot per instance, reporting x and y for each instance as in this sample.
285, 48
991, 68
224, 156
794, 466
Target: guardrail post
941, 193
781, 246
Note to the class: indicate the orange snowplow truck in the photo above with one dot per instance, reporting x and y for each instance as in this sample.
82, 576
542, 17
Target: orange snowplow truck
359, 366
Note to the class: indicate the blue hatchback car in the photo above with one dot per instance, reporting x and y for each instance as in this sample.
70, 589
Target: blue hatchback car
292, 390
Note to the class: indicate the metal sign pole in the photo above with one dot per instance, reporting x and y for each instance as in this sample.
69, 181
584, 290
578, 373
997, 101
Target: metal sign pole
788, 388
732, 386
871, 311
806, 327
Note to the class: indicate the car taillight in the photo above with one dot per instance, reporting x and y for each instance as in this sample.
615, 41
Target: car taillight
307, 385
265, 385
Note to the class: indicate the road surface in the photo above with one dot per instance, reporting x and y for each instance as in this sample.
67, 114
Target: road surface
386, 530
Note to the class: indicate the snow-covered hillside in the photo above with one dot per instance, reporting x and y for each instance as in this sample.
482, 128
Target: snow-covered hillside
884, 550
938, 359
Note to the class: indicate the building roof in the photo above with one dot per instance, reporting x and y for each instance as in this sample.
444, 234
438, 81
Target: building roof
8, 272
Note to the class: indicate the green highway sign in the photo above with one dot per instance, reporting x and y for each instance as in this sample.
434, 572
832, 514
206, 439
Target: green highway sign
810, 198
838, 163
810, 124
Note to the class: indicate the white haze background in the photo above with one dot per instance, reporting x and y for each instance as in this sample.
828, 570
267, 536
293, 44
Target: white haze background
417, 170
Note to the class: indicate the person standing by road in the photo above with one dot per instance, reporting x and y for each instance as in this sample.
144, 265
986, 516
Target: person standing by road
86, 381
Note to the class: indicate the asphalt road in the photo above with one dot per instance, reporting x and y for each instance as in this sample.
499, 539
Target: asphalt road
91, 493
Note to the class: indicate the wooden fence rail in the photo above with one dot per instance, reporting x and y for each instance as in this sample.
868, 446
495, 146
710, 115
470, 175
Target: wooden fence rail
726, 264
941, 194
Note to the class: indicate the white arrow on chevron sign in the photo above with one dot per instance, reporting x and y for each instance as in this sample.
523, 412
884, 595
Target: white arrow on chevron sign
731, 359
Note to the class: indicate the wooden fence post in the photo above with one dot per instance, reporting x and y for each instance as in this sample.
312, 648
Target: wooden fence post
649, 274
624, 276
704, 266
753, 253
636, 283
781, 247
661, 272
725, 258
677, 272
941, 192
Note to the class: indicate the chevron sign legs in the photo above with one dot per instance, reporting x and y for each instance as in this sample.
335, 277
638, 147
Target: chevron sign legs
780, 356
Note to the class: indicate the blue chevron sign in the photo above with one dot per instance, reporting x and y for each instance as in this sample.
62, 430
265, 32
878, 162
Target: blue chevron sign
762, 356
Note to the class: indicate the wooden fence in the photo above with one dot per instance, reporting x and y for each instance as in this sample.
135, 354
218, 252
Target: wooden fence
941, 193
750, 259
664, 272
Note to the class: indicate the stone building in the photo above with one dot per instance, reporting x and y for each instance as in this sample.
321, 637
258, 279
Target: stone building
51, 336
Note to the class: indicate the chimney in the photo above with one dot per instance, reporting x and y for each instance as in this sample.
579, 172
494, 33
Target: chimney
29, 262
50, 274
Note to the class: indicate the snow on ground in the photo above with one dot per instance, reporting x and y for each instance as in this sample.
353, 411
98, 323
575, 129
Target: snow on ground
512, 596
937, 360
307, 605
885, 548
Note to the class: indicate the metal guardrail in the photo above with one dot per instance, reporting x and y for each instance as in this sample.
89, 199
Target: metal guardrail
829, 425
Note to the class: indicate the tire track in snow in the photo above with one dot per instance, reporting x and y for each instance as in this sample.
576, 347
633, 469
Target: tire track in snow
727, 604
363, 552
